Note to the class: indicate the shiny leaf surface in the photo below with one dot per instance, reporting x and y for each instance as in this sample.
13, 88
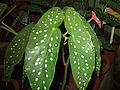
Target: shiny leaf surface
16, 50
82, 54
96, 45
42, 49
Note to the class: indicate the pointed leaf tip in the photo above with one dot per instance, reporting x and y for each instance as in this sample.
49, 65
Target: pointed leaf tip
43, 48
16, 50
82, 54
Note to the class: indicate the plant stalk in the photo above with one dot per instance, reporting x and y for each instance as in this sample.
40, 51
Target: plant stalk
8, 28
8, 12
90, 20
65, 73
63, 59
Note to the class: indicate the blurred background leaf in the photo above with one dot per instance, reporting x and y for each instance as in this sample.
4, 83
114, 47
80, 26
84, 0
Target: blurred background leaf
2, 8
32, 8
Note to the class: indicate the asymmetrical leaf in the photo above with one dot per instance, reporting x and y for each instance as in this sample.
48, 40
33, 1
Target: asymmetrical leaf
16, 50
2, 8
95, 43
82, 54
42, 49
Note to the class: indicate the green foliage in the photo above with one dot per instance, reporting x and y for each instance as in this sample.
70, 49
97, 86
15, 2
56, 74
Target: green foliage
3, 25
96, 45
82, 6
2, 8
66, 2
16, 50
42, 45
117, 60
41, 42
85, 13
32, 8
22, 17
39, 2
43, 48
94, 3
82, 54
77, 6
107, 17
8, 28
112, 4
117, 1
108, 29
24, 74
105, 43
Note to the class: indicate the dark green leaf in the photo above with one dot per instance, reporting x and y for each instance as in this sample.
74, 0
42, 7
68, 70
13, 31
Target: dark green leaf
22, 17
94, 3
66, 2
42, 49
91, 3
116, 1
39, 2
108, 18
112, 5
16, 50
105, 43
76, 6
82, 54
2, 8
117, 60
95, 43
85, 13
108, 29
97, 3
32, 8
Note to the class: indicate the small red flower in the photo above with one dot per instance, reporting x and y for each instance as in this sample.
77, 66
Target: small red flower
96, 19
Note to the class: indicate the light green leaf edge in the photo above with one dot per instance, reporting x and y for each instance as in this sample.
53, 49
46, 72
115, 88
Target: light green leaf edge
96, 44
42, 49
80, 48
15, 50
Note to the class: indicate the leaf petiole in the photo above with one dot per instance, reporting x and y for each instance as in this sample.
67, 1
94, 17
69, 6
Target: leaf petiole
8, 28
65, 73
8, 12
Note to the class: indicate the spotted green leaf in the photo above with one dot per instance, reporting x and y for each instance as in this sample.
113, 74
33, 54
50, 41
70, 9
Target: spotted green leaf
96, 44
2, 8
16, 50
42, 49
82, 54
